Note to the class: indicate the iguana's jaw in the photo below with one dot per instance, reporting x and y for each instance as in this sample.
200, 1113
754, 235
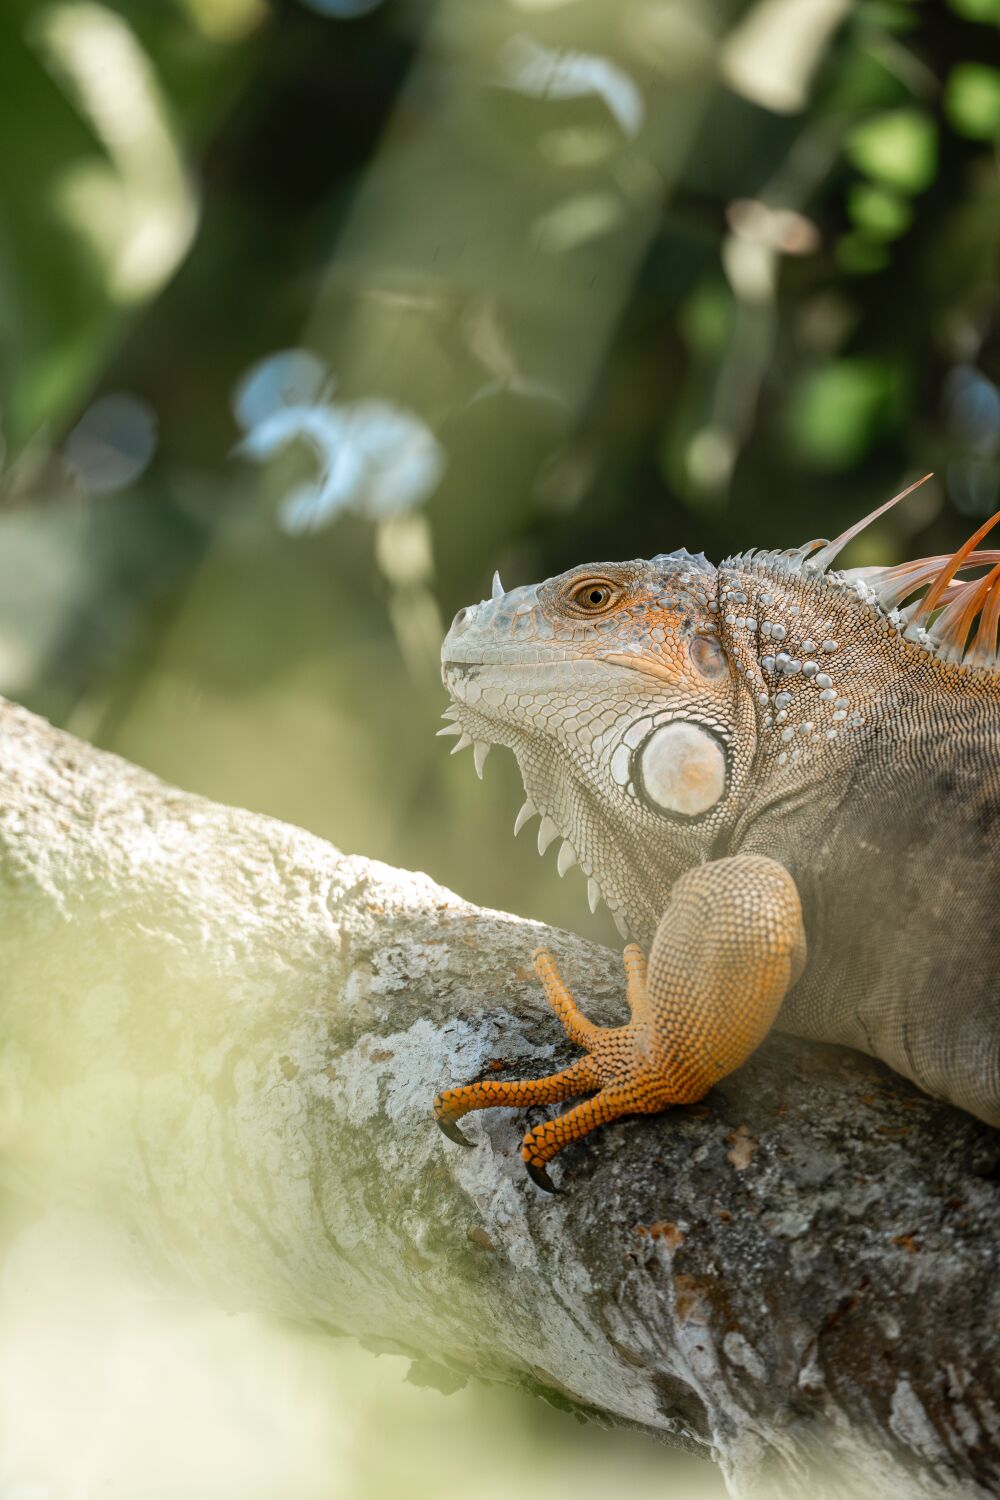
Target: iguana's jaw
568, 782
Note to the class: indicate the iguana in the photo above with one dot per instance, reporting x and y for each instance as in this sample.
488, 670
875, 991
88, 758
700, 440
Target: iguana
784, 780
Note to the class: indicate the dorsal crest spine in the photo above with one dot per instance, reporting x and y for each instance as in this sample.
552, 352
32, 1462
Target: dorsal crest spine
942, 619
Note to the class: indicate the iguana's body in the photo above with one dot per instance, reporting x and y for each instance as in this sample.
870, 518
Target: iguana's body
784, 786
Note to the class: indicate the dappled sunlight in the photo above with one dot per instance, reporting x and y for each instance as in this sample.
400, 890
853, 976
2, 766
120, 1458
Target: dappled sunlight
112, 444
372, 457
774, 50
139, 211
227, 20
343, 10
549, 74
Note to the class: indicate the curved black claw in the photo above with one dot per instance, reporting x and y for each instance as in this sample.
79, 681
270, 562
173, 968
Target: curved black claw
452, 1131
540, 1177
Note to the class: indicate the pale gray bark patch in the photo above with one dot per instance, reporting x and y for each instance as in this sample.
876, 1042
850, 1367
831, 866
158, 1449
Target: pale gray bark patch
224, 1036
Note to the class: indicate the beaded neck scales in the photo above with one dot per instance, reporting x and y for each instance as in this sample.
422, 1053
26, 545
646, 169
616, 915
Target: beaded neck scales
791, 634
820, 639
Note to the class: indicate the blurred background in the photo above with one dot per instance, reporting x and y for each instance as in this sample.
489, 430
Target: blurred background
313, 313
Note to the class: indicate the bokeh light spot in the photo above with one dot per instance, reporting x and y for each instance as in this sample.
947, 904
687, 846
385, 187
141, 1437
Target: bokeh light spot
112, 444
879, 212
897, 147
548, 73
294, 377
342, 10
972, 100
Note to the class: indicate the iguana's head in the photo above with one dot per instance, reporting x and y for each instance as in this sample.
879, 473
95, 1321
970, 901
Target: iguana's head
632, 727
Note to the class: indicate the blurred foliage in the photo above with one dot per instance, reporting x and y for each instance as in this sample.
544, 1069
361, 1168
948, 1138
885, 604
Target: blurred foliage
552, 280
154, 1399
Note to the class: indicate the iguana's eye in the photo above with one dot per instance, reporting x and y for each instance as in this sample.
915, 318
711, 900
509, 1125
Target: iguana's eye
592, 596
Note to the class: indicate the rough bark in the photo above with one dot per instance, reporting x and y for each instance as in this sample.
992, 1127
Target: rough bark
223, 1035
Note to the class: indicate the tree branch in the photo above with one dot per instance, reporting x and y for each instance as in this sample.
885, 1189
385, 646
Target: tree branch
225, 1036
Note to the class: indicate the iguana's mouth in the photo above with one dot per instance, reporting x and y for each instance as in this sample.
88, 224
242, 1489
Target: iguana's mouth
641, 664
456, 675
633, 663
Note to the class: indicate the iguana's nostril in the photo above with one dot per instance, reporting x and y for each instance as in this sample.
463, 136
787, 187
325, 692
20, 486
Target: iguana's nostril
460, 619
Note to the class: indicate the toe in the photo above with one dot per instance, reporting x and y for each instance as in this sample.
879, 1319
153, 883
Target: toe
452, 1131
540, 1177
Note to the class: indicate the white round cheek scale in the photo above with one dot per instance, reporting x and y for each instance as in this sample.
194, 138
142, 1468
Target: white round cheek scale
683, 768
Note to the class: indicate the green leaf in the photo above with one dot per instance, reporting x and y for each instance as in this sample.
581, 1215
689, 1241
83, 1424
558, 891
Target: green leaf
838, 410
882, 214
986, 11
897, 147
972, 100
860, 83
706, 316
859, 254
887, 16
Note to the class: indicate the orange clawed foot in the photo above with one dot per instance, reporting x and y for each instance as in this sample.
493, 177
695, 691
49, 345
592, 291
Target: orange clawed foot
617, 1064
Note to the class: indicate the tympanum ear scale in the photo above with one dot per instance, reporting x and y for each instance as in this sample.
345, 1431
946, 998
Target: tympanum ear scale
682, 768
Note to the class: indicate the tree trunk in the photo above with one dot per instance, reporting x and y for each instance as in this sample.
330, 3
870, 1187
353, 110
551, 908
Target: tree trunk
225, 1036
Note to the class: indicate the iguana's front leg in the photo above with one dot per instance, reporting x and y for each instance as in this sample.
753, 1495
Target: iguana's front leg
729, 946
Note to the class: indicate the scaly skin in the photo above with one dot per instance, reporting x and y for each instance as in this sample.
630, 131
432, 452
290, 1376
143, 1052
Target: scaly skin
743, 760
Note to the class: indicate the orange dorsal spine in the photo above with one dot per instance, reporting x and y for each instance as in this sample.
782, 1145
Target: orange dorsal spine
955, 601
